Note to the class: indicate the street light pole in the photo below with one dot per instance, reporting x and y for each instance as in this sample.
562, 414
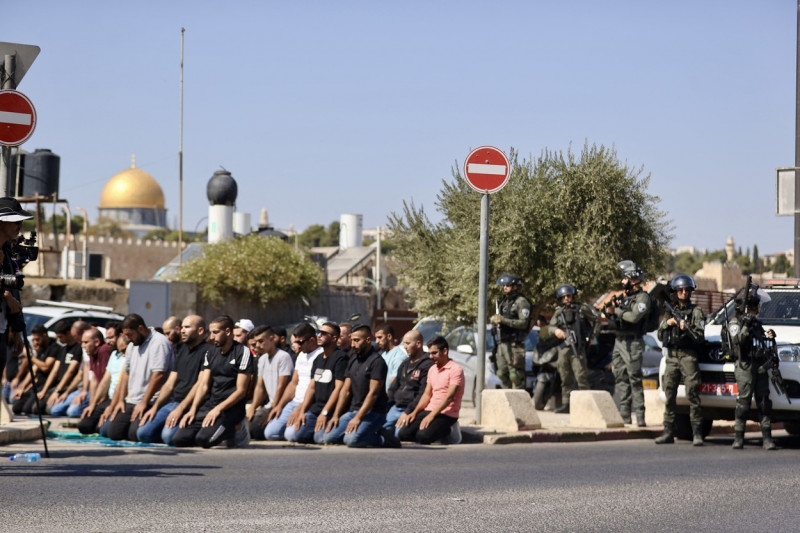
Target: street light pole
797, 153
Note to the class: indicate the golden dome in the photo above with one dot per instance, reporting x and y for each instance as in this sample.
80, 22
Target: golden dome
132, 188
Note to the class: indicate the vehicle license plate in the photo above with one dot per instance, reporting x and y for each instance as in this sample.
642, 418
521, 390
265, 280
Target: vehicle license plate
650, 384
719, 389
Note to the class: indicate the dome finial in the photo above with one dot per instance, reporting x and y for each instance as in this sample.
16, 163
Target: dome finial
133, 161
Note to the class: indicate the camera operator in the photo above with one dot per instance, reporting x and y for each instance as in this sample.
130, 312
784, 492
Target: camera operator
11, 217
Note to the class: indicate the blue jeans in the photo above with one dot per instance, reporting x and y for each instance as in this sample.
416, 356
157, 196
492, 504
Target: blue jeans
392, 417
66, 407
153, 430
276, 427
306, 431
367, 433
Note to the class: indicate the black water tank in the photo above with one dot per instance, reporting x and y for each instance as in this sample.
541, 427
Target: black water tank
41, 171
221, 188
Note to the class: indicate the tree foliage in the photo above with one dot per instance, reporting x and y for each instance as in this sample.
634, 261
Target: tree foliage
316, 235
255, 269
562, 218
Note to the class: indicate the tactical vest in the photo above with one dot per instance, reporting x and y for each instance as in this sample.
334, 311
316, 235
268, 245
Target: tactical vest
507, 333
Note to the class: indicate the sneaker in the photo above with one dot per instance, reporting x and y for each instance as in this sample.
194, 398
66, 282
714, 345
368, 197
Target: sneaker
563, 409
388, 440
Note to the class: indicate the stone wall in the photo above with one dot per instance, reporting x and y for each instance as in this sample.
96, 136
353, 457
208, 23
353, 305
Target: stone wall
123, 258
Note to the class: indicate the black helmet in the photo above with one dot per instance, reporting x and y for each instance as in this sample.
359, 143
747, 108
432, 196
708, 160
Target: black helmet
565, 289
509, 279
631, 270
682, 281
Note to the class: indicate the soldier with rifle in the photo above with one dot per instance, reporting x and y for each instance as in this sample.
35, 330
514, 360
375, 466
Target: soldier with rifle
681, 333
574, 324
513, 319
756, 357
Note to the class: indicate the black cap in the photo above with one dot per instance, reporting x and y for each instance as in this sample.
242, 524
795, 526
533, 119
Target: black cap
11, 211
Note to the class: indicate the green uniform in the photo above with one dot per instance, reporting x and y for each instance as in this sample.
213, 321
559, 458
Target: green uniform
682, 350
579, 321
628, 351
514, 326
754, 359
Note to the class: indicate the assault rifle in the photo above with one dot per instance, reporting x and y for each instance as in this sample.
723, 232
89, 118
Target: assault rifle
775, 375
677, 315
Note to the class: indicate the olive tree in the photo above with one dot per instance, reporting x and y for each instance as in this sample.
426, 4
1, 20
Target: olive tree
561, 218
255, 269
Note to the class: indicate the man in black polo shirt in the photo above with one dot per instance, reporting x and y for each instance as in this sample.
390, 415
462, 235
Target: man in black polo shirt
219, 402
364, 388
47, 353
160, 422
70, 361
327, 379
409, 384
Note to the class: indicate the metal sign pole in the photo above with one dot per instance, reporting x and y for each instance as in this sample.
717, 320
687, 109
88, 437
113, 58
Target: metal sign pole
482, 298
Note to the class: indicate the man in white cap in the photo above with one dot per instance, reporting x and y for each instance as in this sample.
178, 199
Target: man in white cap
11, 217
241, 329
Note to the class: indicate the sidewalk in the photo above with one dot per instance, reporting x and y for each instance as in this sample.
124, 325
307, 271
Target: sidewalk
556, 428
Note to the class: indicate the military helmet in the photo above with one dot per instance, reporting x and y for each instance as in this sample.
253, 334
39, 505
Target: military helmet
682, 281
631, 270
565, 289
509, 279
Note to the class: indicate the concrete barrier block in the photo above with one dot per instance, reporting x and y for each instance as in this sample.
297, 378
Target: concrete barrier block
653, 407
593, 409
508, 410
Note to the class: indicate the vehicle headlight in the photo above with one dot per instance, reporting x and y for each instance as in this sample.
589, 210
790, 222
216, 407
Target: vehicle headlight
789, 353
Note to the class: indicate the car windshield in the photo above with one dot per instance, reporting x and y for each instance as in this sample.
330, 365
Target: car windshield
782, 310
32, 319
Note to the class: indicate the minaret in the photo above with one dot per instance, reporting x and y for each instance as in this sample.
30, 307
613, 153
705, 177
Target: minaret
730, 250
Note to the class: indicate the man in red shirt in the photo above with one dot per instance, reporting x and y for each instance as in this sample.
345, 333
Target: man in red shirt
438, 409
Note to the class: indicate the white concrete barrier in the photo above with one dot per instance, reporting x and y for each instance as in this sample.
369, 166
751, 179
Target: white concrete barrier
508, 410
653, 407
593, 409
6, 415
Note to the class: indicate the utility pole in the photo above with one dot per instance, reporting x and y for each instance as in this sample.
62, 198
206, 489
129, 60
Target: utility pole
797, 153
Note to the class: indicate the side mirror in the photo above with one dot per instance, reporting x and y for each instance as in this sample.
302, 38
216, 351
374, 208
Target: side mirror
465, 348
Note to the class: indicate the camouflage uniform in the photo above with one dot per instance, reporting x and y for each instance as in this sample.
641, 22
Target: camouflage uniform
682, 360
748, 342
628, 351
581, 320
516, 312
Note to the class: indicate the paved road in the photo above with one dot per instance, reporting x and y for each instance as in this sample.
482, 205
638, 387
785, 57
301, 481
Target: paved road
599, 486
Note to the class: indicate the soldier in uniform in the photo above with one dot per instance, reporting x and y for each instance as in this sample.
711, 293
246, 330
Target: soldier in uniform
628, 319
754, 350
513, 319
682, 339
574, 323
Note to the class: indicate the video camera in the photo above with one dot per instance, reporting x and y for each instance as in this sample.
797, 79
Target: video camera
22, 252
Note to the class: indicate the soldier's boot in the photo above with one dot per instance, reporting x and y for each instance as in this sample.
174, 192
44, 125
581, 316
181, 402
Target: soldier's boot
668, 437
697, 435
738, 440
563, 409
626, 417
640, 419
767, 442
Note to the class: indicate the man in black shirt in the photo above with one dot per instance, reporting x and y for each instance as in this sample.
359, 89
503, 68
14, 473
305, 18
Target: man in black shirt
70, 361
327, 379
217, 413
409, 384
160, 422
47, 354
364, 388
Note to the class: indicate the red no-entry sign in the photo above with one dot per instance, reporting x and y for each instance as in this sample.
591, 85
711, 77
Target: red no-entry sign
17, 118
486, 169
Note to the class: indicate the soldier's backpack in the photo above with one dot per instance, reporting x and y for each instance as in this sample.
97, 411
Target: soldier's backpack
653, 318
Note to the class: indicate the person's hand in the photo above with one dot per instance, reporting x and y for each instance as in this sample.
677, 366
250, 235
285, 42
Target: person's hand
402, 421
249, 412
138, 411
105, 416
77, 400
188, 419
352, 426
560, 334
320, 425
426, 421
496, 319
174, 417
671, 321
148, 416
211, 417
12, 303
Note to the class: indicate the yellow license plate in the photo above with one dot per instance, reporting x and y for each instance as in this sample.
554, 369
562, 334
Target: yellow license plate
650, 383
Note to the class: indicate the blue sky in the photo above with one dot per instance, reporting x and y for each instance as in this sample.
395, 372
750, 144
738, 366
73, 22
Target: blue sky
321, 108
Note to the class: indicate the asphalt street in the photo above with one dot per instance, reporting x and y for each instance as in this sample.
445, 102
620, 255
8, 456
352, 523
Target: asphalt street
629, 485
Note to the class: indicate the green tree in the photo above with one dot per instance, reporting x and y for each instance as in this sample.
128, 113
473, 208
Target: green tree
756, 259
253, 268
561, 218
107, 227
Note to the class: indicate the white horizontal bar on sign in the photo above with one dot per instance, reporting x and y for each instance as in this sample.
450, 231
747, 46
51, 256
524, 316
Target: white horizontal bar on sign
477, 168
10, 117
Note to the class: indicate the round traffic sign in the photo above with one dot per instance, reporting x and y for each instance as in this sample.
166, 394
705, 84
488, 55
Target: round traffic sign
17, 118
486, 169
